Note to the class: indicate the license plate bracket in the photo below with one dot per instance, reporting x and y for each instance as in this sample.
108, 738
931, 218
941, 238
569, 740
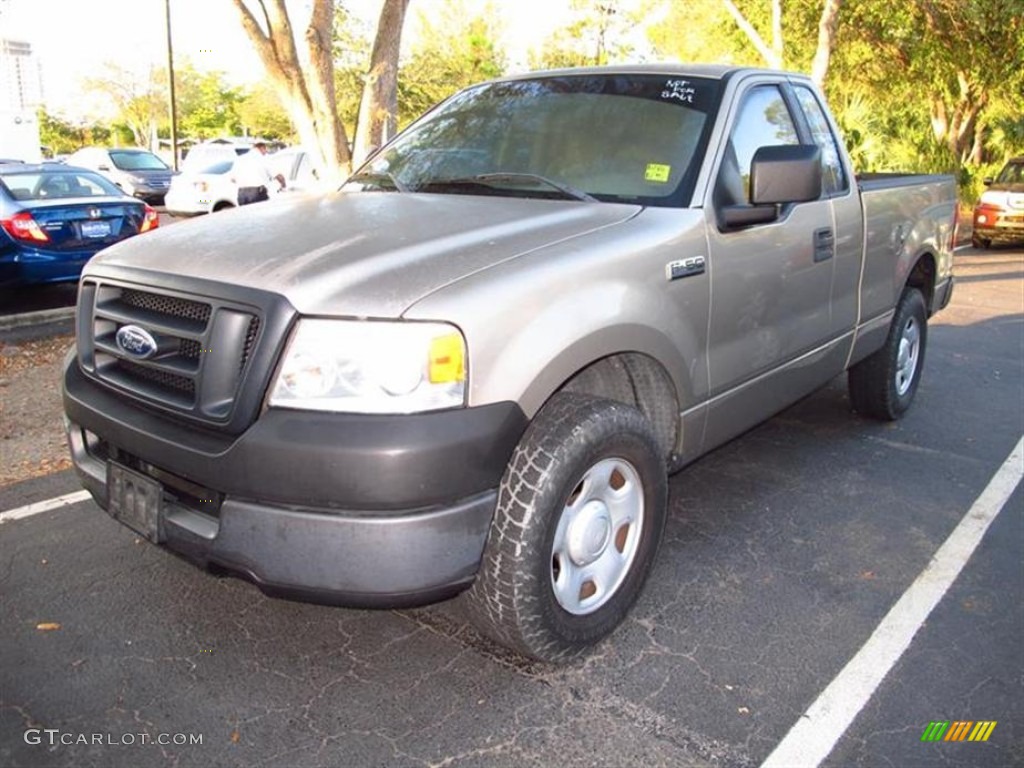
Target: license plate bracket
135, 500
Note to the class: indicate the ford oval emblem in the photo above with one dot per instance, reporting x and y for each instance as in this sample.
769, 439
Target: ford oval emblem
136, 342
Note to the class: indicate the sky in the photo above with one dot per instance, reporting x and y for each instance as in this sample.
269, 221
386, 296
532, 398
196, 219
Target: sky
72, 39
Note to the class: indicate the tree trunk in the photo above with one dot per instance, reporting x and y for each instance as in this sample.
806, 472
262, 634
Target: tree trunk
826, 38
309, 98
777, 42
378, 110
771, 55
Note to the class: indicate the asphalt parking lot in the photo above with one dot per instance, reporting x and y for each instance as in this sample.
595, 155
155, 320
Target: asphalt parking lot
784, 551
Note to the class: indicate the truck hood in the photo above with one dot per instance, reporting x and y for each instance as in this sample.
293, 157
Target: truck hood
362, 254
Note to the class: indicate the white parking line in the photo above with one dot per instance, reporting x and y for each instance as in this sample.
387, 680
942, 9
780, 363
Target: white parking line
814, 736
43, 506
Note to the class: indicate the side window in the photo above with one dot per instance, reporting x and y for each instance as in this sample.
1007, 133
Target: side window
763, 121
833, 178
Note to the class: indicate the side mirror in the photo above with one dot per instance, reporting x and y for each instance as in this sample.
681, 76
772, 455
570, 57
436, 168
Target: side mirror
779, 175
785, 174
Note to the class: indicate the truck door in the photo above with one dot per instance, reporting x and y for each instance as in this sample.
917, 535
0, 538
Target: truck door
771, 283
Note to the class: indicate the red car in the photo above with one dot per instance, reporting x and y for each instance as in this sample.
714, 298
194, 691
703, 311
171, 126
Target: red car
999, 215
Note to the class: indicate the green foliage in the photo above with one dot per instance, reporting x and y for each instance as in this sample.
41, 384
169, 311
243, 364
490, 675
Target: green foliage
926, 86
260, 114
353, 42
972, 180
598, 35
63, 137
456, 49
207, 106
702, 31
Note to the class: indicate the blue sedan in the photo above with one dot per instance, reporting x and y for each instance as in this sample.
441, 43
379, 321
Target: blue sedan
54, 218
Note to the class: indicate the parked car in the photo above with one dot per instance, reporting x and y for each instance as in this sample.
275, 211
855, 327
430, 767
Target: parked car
202, 189
213, 188
138, 172
296, 166
474, 368
55, 217
216, 150
999, 214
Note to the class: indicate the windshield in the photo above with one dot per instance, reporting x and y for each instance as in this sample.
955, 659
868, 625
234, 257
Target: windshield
137, 161
51, 185
617, 138
1013, 173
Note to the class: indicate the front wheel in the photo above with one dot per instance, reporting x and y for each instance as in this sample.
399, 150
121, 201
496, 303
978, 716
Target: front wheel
882, 386
580, 515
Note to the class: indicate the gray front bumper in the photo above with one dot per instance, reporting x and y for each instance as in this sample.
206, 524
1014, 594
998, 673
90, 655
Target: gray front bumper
326, 556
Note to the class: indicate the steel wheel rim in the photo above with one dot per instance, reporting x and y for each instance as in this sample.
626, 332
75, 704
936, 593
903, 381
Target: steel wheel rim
907, 356
597, 536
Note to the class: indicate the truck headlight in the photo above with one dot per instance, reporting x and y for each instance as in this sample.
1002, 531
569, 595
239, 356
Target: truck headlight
372, 367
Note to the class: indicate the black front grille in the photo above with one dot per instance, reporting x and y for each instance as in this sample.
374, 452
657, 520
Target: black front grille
163, 379
190, 348
202, 347
172, 306
250, 340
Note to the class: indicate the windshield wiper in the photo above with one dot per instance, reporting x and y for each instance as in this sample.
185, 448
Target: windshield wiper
377, 177
492, 179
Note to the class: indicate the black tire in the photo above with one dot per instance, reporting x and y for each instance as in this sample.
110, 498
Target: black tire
883, 385
514, 598
980, 242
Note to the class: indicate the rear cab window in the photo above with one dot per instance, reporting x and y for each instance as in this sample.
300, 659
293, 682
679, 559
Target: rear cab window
833, 176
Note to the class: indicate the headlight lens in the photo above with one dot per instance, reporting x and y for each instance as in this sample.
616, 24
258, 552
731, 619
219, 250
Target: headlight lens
372, 367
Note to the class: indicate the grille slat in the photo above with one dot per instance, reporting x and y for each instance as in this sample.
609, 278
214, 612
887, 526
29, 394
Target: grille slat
167, 305
182, 384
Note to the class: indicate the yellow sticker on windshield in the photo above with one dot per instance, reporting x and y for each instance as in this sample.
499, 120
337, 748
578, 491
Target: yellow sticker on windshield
657, 172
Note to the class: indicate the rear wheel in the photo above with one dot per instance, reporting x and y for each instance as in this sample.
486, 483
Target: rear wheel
883, 385
580, 515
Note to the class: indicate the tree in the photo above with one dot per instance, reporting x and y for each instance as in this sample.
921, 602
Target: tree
957, 65
260, 114
378, 110
63, 137
307, 93
207, 105
596, 36
353, 43
774, 54
139, 98
455, 50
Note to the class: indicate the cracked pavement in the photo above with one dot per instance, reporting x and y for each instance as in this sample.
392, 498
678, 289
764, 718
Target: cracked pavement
783, 551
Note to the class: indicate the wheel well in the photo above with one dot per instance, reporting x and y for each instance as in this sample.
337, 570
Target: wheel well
636, 380
221, 206
922, 277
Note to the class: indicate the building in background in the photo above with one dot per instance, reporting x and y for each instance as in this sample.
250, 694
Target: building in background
21, 94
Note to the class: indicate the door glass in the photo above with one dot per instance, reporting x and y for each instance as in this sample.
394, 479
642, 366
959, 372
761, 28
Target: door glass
763, 121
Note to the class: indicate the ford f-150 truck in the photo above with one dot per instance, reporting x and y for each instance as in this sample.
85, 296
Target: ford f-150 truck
473, 367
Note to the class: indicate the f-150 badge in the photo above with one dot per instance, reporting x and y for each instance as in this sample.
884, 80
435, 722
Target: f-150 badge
685, 268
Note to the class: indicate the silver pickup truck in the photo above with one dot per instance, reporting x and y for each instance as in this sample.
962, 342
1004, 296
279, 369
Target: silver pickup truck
473, 367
